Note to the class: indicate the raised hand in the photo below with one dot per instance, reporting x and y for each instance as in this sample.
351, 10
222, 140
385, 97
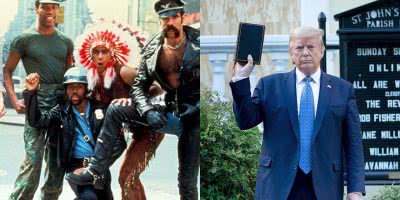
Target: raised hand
32, 81
240, 71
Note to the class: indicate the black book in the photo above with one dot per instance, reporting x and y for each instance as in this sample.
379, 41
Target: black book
250, 41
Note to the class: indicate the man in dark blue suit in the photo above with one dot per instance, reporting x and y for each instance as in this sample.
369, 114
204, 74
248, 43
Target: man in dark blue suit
310, 118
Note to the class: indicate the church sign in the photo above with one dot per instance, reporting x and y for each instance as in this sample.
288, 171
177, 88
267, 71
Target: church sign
370, 59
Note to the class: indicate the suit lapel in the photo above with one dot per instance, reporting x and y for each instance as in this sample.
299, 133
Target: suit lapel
289, 86
323, 102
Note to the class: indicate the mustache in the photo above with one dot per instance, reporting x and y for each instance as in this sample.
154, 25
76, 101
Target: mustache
76, 95
171, 28
80, 99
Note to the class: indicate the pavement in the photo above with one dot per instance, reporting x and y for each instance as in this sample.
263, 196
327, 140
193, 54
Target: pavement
13, 118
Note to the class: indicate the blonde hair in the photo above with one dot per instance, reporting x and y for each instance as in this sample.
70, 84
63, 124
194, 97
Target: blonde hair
307, 32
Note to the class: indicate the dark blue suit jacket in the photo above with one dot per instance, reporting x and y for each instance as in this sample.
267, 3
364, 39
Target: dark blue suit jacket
336, 130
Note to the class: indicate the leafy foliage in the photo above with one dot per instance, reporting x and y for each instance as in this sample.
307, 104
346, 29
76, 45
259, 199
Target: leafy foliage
388, 193
229, 156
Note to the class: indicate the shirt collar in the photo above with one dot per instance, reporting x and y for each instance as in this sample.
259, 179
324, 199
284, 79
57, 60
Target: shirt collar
315, 76
77, 113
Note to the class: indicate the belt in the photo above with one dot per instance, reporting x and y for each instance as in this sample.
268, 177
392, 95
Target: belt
82, 162
51, 86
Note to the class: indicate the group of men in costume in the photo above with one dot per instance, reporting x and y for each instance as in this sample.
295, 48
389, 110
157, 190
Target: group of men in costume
80, 113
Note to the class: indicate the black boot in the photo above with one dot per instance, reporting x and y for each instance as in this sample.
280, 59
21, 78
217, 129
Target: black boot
87, 177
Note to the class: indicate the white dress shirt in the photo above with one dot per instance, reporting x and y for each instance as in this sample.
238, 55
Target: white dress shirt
315, 85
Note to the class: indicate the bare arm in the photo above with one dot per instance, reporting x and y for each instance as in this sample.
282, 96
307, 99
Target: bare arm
2, 90
70, 61
2, 108
129, 74
9, 68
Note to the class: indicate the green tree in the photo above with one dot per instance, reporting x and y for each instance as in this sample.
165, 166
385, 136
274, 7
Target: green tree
229, 156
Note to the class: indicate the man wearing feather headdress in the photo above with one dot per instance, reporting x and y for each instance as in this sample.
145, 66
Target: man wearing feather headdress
110, 51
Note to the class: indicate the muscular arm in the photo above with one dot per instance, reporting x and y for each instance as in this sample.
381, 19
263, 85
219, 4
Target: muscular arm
129, 74
9, 68
70, 58
70, 61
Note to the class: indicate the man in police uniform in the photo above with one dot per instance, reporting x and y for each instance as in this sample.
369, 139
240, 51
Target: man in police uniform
47, 51
78, 121
172, 58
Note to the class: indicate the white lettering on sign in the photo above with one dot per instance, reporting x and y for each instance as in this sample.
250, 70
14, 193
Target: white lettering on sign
392, 94
368, 135
396, 51
377, 18
382, 13
359, 85
390, 135
365, 117
397, 83
384, 67
387, 117
393, 103
380, 84
385, 165
371, 51
384, 151
386, 23
356, 19
373, 103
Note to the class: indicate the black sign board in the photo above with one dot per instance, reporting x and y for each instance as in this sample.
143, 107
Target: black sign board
370, 59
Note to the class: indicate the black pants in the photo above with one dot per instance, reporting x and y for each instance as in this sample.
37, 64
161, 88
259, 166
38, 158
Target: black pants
302, 188
189, 159
188, 146
87, 192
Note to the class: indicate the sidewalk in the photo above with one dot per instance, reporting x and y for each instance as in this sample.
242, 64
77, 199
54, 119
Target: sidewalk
13, 118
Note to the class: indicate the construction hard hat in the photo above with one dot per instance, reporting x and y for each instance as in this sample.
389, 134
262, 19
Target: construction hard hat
75, 75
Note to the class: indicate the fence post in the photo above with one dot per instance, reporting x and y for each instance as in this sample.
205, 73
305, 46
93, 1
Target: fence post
322, 25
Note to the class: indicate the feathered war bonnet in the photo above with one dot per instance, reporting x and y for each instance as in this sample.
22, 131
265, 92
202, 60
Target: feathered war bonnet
123, 42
